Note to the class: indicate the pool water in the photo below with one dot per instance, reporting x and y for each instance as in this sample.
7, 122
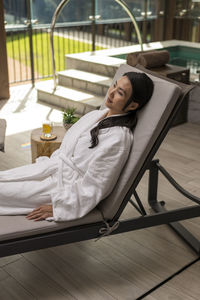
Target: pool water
183, 56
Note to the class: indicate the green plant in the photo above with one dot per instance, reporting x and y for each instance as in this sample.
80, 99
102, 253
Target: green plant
69, 116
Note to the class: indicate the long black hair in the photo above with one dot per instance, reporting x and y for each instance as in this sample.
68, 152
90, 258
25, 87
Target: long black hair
142, 90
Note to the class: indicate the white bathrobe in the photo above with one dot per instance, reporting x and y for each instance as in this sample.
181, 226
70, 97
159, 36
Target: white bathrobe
75, 178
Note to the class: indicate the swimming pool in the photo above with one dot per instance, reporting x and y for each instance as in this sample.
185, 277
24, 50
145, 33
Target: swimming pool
183, 56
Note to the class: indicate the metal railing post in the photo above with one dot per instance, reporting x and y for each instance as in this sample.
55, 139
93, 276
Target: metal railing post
93, 25
30, 34
53, 22
93, 19
125, 7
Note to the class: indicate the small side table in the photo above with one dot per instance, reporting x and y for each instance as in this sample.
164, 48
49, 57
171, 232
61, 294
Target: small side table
45, 148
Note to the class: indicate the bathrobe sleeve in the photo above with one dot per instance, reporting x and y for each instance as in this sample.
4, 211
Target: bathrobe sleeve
80, 197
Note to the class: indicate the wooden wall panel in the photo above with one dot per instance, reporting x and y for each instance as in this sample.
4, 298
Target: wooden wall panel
4, 82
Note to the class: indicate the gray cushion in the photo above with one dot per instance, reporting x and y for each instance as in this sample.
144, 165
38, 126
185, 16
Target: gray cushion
2, 133
151, 120
12, 227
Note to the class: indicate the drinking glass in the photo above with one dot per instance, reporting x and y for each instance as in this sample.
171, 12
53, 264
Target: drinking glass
47, 128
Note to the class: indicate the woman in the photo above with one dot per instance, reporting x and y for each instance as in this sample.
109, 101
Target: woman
85, 169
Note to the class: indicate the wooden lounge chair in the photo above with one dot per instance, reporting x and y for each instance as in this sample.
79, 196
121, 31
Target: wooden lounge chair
18, 235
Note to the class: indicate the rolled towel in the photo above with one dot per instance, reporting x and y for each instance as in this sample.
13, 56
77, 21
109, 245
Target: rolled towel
132, 58
153, 59
148, 59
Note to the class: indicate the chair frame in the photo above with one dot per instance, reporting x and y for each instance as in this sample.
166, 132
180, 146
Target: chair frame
114, 226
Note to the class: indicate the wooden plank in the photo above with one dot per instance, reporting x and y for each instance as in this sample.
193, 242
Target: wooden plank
7, 260
146, 257
183, 286
68, 269
121, 264
3, 275
16, 155
10, 289
35, 281
168, 293
165, 249
103, 275
188, 281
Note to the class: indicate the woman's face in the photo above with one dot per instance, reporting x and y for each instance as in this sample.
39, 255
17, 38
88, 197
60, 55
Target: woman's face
118, 95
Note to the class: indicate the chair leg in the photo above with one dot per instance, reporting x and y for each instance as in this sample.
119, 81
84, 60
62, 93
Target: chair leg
186, 235
158, 207
153, 183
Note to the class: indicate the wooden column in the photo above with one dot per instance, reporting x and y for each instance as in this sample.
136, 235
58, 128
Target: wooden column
169, 19
100, 29
158, 25
127, 31
4, 82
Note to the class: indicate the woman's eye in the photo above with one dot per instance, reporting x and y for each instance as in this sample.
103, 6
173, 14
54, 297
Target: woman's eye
120, 93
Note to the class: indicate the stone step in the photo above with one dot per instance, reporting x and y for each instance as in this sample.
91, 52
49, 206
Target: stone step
64, 97
90, 82
106, 66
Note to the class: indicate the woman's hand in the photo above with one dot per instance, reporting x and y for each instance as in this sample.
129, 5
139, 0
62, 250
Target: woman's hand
41, 213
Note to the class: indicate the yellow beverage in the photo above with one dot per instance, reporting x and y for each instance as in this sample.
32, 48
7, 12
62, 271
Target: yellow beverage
46, 128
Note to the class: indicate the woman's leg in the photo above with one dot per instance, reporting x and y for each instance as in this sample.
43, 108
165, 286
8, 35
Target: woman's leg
21, 197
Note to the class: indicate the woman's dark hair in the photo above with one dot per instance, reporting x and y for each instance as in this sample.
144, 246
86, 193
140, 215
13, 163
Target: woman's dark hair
142, 90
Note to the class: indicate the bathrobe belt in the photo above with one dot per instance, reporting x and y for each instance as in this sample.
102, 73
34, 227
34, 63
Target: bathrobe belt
68, 161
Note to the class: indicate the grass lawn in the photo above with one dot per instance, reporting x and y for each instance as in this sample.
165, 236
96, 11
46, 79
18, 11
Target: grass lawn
18, 48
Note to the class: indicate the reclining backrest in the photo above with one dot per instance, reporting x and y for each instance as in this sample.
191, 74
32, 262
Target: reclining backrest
151, 120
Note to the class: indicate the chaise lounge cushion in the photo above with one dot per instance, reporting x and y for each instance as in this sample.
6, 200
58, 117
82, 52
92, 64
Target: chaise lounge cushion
151, 120
12, 227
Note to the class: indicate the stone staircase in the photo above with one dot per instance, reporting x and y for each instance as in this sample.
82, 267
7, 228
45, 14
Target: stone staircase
83, 85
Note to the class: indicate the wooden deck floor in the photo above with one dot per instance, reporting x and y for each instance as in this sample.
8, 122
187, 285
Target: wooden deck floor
124, 266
